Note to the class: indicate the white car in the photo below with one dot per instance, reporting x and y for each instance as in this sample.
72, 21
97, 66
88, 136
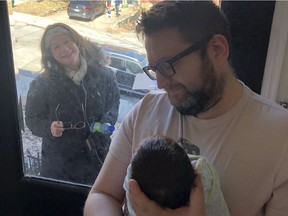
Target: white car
127, 66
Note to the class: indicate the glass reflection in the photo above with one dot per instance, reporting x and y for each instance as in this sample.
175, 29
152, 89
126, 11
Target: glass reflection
122, 47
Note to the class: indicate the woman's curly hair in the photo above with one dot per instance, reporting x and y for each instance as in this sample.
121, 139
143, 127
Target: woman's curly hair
91, 51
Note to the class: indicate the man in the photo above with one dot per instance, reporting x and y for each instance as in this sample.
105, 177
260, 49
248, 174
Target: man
117, 7
243, 134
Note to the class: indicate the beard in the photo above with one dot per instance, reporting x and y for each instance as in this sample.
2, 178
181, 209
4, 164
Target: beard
193, 103
202, 99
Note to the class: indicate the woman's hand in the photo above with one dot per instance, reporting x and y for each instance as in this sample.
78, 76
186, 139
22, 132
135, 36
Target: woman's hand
57, 128
144, 207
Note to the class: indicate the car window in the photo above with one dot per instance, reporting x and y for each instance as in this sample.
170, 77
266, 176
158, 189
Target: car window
95, 4
133, 67
74, 3
117, 63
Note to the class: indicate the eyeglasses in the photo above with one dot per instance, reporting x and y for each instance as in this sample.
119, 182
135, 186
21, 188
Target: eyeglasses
165, 67
70, 125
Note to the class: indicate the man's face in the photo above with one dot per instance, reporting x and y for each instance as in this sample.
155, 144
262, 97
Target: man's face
196, 86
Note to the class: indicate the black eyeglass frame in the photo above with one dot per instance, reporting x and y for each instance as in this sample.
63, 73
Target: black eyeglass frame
69, 125
194, 47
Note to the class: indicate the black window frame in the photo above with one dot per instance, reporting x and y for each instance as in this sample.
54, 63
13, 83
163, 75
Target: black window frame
20, 194
27, 195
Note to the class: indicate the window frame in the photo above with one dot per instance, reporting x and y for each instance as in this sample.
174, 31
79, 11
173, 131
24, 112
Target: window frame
20, 194
277, 51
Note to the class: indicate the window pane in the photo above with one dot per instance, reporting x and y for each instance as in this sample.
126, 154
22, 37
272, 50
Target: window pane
49, 94
117, 63
133, 68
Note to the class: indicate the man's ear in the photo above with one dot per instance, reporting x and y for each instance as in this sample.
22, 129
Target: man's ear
218, 50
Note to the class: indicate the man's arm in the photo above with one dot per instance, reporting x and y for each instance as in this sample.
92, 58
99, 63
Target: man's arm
107, 194
278, 204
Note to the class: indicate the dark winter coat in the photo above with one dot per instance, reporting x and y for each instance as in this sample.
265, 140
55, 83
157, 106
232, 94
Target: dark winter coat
69, 157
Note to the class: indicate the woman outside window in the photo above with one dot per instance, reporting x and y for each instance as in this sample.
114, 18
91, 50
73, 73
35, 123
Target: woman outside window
75, 90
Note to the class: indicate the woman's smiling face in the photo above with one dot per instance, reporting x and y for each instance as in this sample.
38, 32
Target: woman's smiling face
65, 51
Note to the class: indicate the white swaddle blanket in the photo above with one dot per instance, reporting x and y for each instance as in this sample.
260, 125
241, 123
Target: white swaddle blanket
214, 199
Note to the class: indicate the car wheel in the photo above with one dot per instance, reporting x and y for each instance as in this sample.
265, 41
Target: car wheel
93, 16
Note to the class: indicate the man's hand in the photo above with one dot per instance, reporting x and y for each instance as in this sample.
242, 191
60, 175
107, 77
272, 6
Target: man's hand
145, 207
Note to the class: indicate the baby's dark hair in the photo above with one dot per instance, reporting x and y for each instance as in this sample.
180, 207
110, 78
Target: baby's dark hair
163, 171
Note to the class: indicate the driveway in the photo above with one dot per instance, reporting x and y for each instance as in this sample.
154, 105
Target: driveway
106, 25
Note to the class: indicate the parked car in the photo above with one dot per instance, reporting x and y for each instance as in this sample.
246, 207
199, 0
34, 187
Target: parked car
86, 9
127, 66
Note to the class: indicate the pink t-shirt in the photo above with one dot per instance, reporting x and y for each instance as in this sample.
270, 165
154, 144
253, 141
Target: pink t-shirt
248, 146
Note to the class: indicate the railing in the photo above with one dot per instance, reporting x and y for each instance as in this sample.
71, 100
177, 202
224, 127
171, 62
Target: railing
32, 164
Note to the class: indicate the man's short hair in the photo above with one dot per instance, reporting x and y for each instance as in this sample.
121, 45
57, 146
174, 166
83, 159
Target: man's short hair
195, 20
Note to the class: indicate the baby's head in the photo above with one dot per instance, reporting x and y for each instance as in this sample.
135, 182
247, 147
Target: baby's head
163, 171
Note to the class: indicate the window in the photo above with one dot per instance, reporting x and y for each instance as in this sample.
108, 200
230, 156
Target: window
117, 63
44, 153
38, 194
133, 67
21, 183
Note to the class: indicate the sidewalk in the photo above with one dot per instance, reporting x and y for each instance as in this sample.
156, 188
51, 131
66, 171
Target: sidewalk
126, 14
103, 22
104, 28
